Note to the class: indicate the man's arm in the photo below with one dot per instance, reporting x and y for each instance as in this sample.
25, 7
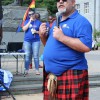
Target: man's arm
42, 33
43, 39
73, 43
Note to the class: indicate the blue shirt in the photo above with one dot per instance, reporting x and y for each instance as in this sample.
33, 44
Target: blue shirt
57, 56
29, 37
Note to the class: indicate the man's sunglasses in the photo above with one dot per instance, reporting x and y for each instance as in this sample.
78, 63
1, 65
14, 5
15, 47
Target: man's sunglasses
62, 0
31, 14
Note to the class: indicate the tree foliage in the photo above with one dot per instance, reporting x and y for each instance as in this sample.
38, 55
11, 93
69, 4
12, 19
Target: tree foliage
49, 4
6, 2
96, 34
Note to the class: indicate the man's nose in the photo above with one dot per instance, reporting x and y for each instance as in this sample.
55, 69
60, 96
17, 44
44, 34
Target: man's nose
60, 0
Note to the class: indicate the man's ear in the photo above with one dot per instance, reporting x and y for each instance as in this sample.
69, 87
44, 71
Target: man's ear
73, 3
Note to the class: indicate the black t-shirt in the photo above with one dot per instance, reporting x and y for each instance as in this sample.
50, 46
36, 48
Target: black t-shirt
1, 12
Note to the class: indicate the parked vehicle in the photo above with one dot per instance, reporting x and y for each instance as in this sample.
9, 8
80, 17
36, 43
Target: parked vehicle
94, 45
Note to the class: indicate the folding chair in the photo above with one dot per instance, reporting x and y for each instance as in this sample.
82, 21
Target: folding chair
3, 87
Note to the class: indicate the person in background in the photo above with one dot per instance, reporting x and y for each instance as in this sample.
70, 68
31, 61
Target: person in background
50, 20
21, 2
65, 65
1, 16
37, 16
31, 41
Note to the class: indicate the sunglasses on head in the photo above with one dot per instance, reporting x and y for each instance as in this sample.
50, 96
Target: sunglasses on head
62, 0
31, 14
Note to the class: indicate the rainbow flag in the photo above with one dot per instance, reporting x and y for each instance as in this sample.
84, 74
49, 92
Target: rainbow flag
32, 5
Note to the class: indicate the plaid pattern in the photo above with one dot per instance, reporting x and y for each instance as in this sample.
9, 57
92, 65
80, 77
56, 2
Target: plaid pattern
72, 85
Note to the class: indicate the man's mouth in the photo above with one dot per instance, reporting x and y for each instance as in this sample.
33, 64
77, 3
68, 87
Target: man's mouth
61, 6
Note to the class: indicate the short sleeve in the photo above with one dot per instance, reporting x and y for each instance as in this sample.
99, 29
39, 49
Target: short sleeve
84, 33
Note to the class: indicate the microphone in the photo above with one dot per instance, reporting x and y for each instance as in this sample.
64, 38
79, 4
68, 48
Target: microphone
57, 18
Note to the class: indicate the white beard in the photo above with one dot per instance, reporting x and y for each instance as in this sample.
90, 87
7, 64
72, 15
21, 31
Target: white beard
62, 11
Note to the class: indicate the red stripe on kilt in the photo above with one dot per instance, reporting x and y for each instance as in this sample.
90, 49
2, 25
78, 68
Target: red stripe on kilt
72, 85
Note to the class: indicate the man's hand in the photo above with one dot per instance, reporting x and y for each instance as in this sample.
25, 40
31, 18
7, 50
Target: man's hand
42, 33
42, 29
57, 33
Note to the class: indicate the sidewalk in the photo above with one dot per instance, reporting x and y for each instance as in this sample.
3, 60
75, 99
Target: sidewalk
26, 97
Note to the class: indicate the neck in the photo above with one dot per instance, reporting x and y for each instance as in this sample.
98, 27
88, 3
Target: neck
66, 15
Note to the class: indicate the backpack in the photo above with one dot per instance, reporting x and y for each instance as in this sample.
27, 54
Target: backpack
5, 81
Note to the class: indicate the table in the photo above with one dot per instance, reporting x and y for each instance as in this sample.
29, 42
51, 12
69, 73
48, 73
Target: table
15, 55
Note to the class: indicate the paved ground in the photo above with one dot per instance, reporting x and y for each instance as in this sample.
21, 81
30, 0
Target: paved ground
93, 59
94, 95
26, 97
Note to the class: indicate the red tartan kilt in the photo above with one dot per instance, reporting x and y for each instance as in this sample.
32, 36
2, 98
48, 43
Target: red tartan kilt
72, 85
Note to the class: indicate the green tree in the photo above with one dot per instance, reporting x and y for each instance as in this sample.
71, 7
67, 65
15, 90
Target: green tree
49, 4
6, 2
96, 34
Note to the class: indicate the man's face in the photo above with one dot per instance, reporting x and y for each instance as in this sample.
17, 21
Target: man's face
65, 6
